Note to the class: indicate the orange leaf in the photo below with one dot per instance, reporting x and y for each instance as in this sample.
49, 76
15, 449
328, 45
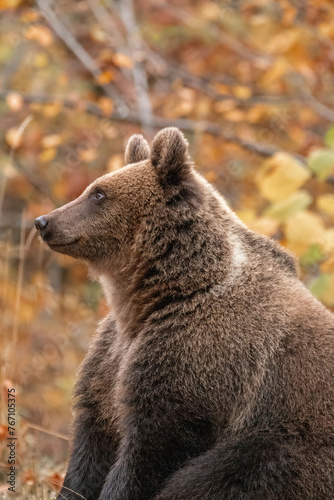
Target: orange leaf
3, 432
28, 477
122, 60
106, 105
14, 101
105, 77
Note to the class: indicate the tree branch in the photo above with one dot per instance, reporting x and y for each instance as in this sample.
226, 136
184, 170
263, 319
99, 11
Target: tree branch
212, 128
225, 39
263, 59
127, 15
81, 54
107, 23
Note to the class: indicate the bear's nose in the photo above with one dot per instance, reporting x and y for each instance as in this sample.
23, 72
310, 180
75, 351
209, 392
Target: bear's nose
41, 223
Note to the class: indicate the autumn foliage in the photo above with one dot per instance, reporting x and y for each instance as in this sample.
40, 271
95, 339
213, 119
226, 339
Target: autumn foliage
250, 84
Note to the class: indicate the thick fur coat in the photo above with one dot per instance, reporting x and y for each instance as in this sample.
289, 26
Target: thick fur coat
212, 378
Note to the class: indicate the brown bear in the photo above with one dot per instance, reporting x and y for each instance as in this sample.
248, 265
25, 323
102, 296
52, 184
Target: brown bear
212, 378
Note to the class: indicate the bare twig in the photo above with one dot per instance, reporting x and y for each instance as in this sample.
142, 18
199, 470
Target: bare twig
34, 180
13, 64
65, 488
217, 131
70, 103
313, 102
81, 54
127, 14
19, 286
18, 135
212, 128
265, 60
107, 23
232, 43
308, 98
39, 428
317, 106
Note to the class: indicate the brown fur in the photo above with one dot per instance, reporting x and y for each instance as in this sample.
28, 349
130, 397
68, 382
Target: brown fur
212, 376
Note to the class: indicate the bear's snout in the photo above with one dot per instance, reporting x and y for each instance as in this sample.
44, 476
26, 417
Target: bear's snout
41, 223
57, 231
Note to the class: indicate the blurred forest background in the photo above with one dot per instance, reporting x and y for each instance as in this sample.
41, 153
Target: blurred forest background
251, 85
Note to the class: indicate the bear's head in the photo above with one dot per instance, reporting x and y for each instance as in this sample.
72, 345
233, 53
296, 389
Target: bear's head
101, 225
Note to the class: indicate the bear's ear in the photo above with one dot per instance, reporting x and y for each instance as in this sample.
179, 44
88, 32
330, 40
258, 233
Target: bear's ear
170, 156
136, 150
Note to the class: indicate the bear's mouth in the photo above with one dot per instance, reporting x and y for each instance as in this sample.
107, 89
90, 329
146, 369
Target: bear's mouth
55, 246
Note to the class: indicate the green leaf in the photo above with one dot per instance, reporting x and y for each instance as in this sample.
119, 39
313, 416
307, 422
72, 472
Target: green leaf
323, 289
313, 255
284, 209
329, 138
320, 285
321, 162
6, 52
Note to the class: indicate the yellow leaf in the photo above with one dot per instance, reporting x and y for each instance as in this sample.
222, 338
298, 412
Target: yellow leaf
52, 110
325, 203
9, 4
122, 60
41, 34
41, 60
242, 92
14, 101
51, 141
47, 155
13, 137
280, 176
304, 229
247, 215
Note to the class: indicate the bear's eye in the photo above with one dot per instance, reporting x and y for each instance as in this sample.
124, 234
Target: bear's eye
99, 195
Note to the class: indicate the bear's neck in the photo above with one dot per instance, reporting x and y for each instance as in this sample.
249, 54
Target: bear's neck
168, 267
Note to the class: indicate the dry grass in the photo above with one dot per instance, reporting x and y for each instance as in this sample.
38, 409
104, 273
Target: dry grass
48, 313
